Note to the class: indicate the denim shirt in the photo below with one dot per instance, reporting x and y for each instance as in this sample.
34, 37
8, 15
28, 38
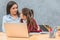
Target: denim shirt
9, 19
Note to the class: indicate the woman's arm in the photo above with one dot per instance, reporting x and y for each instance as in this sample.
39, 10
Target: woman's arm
3, 21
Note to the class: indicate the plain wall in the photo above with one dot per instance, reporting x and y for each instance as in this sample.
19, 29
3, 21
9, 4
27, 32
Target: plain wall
45, 11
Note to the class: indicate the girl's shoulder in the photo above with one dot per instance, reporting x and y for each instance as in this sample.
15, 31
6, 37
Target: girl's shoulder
33, 19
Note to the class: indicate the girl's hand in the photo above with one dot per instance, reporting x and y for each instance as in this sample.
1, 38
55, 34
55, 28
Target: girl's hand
38, 28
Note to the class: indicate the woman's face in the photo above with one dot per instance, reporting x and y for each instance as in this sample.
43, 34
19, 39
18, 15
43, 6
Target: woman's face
14, 9
23, 16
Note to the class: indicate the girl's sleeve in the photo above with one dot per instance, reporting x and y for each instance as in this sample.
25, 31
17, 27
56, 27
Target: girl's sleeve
36, 26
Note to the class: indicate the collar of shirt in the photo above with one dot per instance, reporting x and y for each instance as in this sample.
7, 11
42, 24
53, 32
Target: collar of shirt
10, 17
24, 21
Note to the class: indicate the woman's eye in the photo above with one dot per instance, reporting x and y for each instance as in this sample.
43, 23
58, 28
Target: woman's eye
13, 8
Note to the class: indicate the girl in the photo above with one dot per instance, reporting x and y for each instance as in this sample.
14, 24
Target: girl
31, 23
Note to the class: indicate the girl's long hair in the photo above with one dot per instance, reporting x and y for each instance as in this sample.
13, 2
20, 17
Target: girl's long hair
27, 12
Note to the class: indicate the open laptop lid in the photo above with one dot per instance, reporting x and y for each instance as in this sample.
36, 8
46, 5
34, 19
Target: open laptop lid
16, 29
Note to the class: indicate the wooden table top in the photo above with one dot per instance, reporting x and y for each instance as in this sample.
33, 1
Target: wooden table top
33, 37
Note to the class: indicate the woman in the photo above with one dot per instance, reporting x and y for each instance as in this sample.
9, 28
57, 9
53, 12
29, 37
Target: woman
31, 23
12, 14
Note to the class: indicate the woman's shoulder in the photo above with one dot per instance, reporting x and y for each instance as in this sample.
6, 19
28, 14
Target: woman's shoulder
5, 16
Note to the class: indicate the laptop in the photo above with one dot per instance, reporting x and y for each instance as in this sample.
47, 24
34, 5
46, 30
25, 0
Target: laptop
16, 29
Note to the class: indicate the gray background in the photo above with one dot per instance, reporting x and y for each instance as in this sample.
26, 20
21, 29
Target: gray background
46, 11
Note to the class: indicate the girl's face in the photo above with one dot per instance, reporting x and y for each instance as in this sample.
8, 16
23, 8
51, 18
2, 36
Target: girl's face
23, 16
14, 9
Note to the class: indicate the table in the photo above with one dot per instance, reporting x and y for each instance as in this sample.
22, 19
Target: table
33, 37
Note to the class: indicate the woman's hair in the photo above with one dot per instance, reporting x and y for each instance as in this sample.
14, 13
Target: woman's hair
9, 5
27, 12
